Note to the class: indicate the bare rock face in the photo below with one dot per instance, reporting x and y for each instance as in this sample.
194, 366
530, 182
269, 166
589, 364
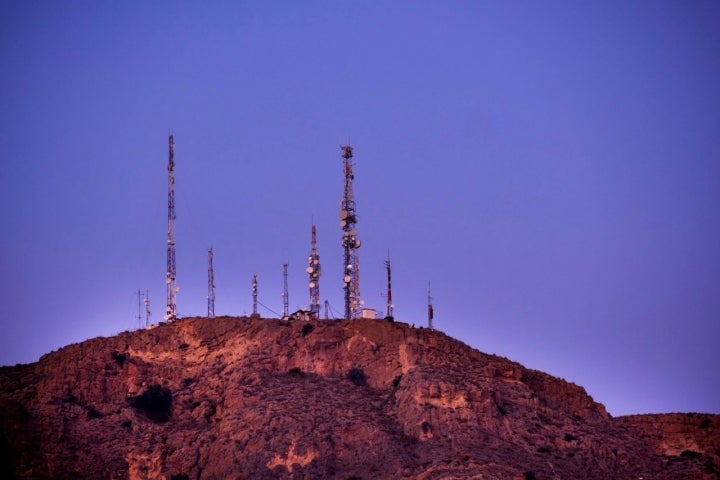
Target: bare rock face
261, 399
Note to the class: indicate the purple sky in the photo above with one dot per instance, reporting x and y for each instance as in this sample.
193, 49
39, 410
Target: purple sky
552, 168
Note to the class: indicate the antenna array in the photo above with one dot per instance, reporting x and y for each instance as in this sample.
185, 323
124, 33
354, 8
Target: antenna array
390, 306
254, 293
350, 242
314, 271
211, 285
430, 310
172, 288
285, 291
146, 301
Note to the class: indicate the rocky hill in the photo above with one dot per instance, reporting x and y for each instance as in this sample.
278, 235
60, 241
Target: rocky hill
252, 398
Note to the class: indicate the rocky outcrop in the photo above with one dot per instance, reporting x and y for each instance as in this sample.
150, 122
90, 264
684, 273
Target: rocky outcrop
261, 398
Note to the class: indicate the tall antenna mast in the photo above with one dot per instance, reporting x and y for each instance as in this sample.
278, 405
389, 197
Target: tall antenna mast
254, 293
139, 315
430, 310
285, 291
314, 272
390, 306
350, 242
327, 309
146, 301
172, 288
211, 285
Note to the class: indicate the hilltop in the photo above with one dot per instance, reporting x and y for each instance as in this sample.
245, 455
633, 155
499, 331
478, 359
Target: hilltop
259, 398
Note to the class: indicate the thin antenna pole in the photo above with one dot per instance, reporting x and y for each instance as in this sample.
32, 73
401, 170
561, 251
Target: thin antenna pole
211, 285
350, 242
139, 315
327, 310
431, 313
285, 291
314, 271
390, 305
255, 293
172, 288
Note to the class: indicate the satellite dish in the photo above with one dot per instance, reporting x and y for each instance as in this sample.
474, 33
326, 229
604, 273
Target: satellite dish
353, 232
309, 270
343, 214
343, 223
357, 243
349, 267
347, 279
316, 261
312, 284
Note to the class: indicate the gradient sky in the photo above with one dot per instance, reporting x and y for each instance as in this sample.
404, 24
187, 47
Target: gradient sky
552, 168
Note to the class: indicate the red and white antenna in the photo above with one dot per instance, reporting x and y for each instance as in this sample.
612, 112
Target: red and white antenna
286, 302
390, 306
211, 285
350, 242
146, 301
255, 293
314, 271
172, 288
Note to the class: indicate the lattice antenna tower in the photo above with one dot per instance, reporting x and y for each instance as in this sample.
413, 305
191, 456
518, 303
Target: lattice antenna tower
314, 271
286, 310
390, 306
431, 313
254, 293
350, 242
172, 288
148, 312
211, 285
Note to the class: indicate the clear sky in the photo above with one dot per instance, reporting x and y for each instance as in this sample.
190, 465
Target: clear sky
552, 168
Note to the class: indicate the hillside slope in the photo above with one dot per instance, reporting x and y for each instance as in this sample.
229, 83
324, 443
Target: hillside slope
261, 398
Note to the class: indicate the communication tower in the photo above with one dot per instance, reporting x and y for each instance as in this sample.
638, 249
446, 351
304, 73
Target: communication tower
390, 306
254, 293
327, 310
430, 310
350, 242
146, 301
172, 288
211, 285
314, 271
286, 311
